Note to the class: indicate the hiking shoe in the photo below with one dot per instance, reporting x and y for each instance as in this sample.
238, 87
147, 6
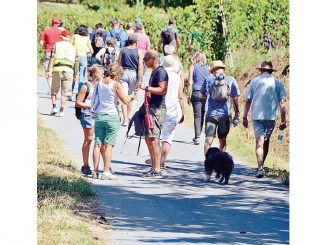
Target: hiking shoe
86, 170
196, 141
60, 114
108, 176
260, 173
69, 97
152, 173
54, 111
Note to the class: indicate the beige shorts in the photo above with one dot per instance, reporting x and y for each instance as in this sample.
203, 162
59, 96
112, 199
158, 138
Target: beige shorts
61, 79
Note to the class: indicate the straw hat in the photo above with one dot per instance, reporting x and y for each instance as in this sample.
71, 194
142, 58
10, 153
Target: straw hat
266, 65
171, 64
217, 64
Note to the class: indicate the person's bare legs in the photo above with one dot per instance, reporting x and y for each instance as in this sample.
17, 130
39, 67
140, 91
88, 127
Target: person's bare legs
150, 149
266, 148
154, 149
222, 145
96, 156
260, 150
124, 111
208, 143
88, 138
164, 152
107, 157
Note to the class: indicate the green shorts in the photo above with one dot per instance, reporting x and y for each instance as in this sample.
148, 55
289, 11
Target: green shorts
106, 129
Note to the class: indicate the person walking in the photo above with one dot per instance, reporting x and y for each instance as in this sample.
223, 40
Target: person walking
108, 55
48, 38
97, 41
118, 34
63, 59
174, 106
198, 71
143, 42
83, 46
107, 122
155, 92
266, 96
87, 119
169, 36
131, 59
218, 109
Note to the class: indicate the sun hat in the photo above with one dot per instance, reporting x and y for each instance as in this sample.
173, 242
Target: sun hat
217, 64
171, 64
55, 21
266, 65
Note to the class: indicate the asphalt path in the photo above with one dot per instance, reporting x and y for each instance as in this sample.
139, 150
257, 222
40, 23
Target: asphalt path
180, 208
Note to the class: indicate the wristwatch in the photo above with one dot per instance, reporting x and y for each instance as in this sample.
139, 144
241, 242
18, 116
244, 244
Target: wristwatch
146, 88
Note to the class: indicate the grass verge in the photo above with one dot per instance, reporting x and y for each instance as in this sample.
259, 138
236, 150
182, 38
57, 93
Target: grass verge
67, 206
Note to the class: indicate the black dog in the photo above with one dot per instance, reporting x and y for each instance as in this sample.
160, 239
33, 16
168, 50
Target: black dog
220, 162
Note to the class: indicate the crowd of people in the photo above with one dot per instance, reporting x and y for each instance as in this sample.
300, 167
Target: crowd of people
108, 67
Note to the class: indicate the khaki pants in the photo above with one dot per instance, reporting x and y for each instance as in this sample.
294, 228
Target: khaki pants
61, 79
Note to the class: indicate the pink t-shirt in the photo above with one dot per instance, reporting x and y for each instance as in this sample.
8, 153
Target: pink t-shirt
143, 42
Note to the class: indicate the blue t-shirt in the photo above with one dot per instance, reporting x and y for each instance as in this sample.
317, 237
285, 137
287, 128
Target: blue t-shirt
215, 107
266, 92
120, 37
199, 75
157, 76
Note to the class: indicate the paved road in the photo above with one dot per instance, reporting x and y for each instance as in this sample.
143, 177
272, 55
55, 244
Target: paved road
180, 208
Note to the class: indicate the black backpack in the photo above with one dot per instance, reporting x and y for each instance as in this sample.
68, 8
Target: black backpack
168, 36
78, 109
108, 57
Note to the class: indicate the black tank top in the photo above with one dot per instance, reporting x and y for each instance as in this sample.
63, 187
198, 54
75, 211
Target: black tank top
129, 58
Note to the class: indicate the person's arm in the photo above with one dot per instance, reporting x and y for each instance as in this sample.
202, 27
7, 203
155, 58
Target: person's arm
178, 42
124, 99
80, 97
76, 66
48, 72
283, 114
190, 82
90, 48
42, 39
140, 67
180, 97
245, 112
159, 44
119, 58
148, 44
99, 54
236, 107
160, 90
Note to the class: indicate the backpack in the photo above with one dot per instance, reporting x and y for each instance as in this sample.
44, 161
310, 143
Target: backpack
99, 41
168, 36
220, 90
78, 109
117, 37
108, 57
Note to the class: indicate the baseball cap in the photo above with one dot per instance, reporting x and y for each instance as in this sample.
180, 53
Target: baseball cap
55, 21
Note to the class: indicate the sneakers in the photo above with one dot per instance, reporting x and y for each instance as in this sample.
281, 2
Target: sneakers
112, 171
69, 97
163, 165
54, 111
95, 175
196, 141
60, 114
152, 173
86, 170
260, 172
124, 123
108, 175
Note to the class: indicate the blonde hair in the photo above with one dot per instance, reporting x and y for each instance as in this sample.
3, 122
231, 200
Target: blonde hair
110, 42
199, 58
115, 71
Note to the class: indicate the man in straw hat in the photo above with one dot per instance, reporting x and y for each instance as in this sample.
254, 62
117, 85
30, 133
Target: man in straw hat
266, 96
218, 113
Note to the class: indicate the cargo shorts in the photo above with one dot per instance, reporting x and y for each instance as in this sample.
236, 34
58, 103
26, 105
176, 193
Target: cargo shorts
158, 120
61, 79
219, 123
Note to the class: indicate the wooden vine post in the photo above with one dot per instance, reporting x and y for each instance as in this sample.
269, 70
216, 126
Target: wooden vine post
228, 51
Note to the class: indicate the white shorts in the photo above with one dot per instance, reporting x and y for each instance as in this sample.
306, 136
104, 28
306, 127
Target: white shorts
169, 126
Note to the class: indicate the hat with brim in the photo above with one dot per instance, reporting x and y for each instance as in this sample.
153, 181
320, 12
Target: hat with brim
216, 64
266, 65
171, 64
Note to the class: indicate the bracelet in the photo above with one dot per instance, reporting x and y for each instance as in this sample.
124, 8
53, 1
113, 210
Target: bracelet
146, 88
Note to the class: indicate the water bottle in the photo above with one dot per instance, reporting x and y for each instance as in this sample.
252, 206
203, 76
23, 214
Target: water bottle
280, 136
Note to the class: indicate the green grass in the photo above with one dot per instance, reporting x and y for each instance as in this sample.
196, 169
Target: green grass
66, 203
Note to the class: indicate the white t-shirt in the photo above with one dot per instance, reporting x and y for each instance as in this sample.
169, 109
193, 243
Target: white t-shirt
173, 108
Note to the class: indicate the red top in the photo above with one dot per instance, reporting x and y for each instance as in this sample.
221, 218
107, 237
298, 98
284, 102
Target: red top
50, 36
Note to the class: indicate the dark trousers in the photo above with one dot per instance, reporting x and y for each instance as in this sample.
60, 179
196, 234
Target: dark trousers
198, 106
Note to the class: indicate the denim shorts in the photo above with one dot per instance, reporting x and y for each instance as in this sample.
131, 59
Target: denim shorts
106, 129
128, 81
263, 128
219, 123
87, 120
